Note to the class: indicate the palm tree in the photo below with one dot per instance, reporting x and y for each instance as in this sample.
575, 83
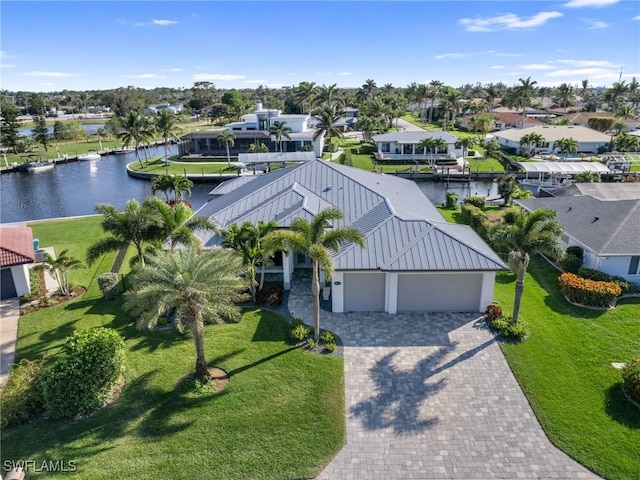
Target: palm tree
434, 92
466, 143
179, 224
566, 145
252, 242
587, 177
304, 94
524, 234
166, 124
524, 93
228, 138
328, 95
60, 267
316, 239
279, 130
507, 187
369, 87
134, 130
136, 225
162, 183
258, 148
327, 117
565, 95
197, 287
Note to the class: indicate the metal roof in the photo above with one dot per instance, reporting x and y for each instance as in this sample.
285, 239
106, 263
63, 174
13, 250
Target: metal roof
411, 137
607, 227
403, 230
563, 167
276, 157
601, 191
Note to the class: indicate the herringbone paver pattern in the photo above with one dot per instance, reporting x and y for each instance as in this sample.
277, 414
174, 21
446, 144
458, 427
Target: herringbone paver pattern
430, 396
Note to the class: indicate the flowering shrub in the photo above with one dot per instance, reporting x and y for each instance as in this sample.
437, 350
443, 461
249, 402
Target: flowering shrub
504, 326
493, 312
588, 292
591, 274
631, 378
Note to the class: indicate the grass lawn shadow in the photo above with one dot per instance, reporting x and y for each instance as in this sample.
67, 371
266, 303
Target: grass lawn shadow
620, 409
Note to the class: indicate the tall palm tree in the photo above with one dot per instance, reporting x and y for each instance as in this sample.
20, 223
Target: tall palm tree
565, 94
278, 131
524, 94
197, 287
135, 226
134, 130
328, 95
60, 267
369, 87
524, 234
316, 239
228, 139
177, 184
434, 92
304, 94
166, 124
466, 143
327, 117
252, 242
507, 187
178, 224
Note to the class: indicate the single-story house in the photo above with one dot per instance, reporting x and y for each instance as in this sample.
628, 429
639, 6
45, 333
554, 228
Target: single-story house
589, 140
607, 231
505, 120
16, 253
174, 108
601, 191
582, 118
404, 145
414, 260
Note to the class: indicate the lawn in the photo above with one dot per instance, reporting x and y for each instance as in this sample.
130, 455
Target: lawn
565, 370
281, 415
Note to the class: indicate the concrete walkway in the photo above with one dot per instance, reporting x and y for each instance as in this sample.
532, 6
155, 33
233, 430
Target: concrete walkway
430, 396
9, 315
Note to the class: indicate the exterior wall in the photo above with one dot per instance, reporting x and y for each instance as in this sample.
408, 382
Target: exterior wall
337, 292
619, 265
21, 279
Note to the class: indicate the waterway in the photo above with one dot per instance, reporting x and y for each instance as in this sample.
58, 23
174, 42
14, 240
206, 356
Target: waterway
73, 189
90, 128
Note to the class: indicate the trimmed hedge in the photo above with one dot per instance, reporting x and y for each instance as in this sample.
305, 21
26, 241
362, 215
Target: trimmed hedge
570, 263
475, 200
22, 399
591, 274
476, 218
588, 292
81, 381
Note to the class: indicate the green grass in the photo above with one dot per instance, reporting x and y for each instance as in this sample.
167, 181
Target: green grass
281, 415
158, 166
484, 165
565, 370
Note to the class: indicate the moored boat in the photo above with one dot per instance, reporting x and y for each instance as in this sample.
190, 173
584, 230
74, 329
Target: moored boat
122, 150
39, 166
90, 155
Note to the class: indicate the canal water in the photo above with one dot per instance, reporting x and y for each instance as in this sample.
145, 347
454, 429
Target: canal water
90, 128
74, 188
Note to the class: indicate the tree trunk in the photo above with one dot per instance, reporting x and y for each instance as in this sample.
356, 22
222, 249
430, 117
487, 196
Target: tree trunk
315, 291
140, 255
262, 269
228, 156
252, 282
523, 261
202, 372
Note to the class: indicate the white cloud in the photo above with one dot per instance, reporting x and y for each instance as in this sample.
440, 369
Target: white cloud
498, 54
589, 3
143, 76
593, 72
172, 70
442, 56
164, 23
38, 73
587, 63
508, 21
7, 65
595, 24
344, 74
496, 67
255, 81
206, 77
636, 18
536, 66
450, 55
275, 85
47, 84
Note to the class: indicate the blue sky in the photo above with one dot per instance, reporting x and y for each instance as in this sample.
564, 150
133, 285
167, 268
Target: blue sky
82, 45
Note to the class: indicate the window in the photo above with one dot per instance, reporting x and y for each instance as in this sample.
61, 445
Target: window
633, 265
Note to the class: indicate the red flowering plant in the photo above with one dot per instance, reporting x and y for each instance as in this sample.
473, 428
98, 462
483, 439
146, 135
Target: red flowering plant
631, 378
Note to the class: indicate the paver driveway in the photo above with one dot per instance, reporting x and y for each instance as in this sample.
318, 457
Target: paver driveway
430, 396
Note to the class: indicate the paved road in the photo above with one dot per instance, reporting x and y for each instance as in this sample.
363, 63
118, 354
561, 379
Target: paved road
408, 126
430, 396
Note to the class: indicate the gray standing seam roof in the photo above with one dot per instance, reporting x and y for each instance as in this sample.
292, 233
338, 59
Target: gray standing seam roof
403, 230
411, 137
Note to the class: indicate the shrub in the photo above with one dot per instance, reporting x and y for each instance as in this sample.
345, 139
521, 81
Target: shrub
570, 263
328, 337
81, 381
475, 217
577, 251
631, 378
505, 327
588, 292
475, 200
493, 312
270, 296
299, 332
296, 322
22, 399
108, 284
591, 274
330, 347
311, 343
451, 201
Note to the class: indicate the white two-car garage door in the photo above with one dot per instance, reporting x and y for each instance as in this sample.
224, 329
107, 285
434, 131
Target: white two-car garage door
439, 292
364, 292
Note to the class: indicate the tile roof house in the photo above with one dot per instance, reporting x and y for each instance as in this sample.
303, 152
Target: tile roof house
505, 120
16, 253
607, 230
589, 140
413, 260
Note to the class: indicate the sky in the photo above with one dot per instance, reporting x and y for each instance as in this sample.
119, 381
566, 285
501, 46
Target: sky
87, 45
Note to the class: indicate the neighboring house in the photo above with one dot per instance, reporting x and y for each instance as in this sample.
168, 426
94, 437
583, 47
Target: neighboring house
608, 231
254, 128
589, 140
16, 253
505, 120
174, 108
601, 191
404, 145
529, 112
582, 118
414, 260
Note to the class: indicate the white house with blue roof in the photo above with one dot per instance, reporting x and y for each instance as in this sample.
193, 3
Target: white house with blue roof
414, 260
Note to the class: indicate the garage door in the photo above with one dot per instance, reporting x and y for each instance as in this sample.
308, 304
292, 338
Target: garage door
7, 287
439, 292
364, 292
